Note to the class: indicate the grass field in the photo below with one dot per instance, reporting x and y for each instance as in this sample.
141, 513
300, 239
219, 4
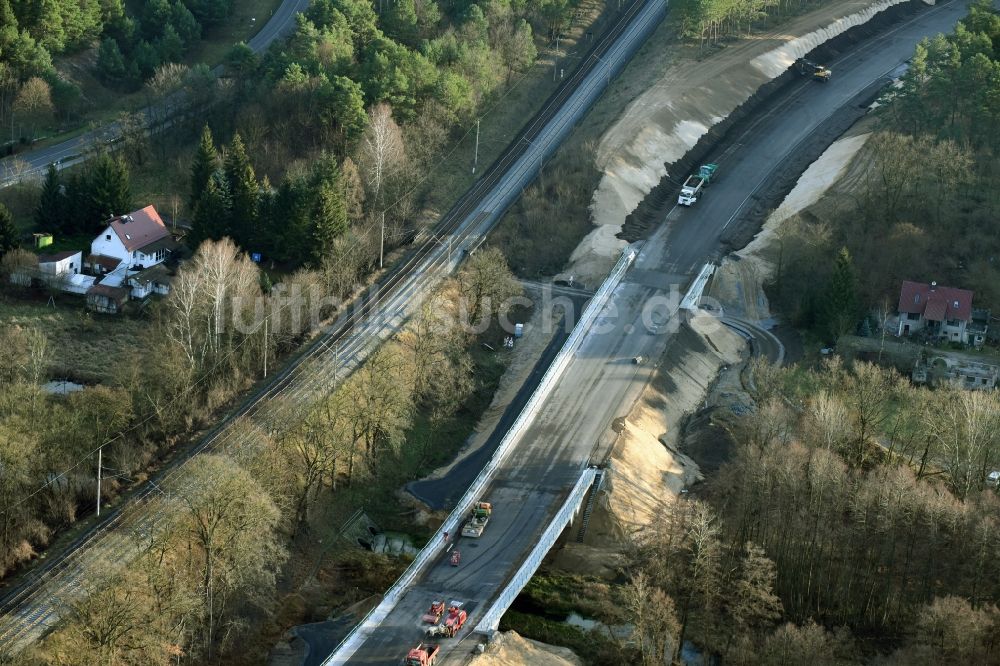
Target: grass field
81, 346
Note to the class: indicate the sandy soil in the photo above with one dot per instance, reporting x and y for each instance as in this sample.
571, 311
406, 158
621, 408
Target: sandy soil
510, 649
665, 121
647, 469
738, 283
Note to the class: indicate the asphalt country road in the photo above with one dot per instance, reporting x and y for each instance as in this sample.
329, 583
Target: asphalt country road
73, 151
32, 608
602, 383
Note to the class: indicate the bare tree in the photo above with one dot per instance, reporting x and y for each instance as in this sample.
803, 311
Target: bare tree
487, 284
230, 525
652, 614
382, 149
34, 102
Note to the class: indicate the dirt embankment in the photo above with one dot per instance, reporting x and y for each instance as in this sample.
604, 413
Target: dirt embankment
510, 649
646, 468
684, 107
738, 283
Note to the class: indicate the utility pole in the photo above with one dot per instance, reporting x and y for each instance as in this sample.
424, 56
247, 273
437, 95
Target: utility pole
381, 243
475, 159
100, 451
265, 347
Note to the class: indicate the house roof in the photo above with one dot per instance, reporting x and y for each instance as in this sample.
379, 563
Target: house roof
139, 228
116, 294
157, 273
56, 257
167, 243
104, 261
934, 302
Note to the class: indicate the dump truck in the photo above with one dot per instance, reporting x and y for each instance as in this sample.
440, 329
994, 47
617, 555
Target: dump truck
696, 183
433, 615
481, 512
452, 623
813, 70
422, 655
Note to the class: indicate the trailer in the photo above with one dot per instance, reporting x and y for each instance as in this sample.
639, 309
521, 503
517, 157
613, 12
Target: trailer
481, 513
696, 183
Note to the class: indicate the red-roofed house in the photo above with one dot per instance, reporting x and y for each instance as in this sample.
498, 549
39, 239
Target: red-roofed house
944, 312
137, 240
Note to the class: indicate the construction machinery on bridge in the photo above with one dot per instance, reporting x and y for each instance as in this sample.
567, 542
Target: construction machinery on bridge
422, 655
694, 186
452, 623
481, 513
433, 615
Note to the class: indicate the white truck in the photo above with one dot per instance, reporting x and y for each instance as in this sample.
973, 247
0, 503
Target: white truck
696, 183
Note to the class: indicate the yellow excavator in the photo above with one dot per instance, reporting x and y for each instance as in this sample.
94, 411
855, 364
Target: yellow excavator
814, 70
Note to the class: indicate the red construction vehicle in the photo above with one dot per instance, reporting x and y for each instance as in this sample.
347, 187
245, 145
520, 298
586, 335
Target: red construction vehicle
433, 616
452, 623
422, 655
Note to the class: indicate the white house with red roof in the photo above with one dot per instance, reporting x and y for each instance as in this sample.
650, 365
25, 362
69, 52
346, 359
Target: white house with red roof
139, 240
944, 312
126, 257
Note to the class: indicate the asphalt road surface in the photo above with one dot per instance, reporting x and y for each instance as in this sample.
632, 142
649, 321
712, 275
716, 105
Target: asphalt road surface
73, 151
601, 383
33, 606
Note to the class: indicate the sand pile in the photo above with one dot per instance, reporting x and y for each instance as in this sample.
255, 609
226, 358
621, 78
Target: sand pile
509, 649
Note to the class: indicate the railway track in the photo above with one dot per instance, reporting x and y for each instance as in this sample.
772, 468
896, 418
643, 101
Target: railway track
32, 607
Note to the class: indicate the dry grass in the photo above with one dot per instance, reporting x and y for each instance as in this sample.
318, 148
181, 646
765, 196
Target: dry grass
82, 346
541, 230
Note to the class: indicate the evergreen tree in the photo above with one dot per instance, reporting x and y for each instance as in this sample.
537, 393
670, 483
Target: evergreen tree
108, 191
210, 215
206, 162
110, 62
8, 233
50, 214
289, 224
329, 219
839, 308
243, 193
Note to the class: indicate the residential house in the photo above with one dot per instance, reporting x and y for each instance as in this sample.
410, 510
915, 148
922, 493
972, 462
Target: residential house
128, 259
138, 240
939, 312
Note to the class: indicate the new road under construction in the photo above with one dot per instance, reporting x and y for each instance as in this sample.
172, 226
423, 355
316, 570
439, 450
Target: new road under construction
33, 606
545, 463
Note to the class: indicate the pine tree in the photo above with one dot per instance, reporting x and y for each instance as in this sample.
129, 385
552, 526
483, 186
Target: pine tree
211, 214
206, 162
50, 214
243, 192
329, 219
108, 191
8, 233
839, 308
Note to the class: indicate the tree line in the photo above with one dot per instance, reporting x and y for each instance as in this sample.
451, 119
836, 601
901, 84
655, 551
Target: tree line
922, 197
207, 573
851, 524
712, 21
